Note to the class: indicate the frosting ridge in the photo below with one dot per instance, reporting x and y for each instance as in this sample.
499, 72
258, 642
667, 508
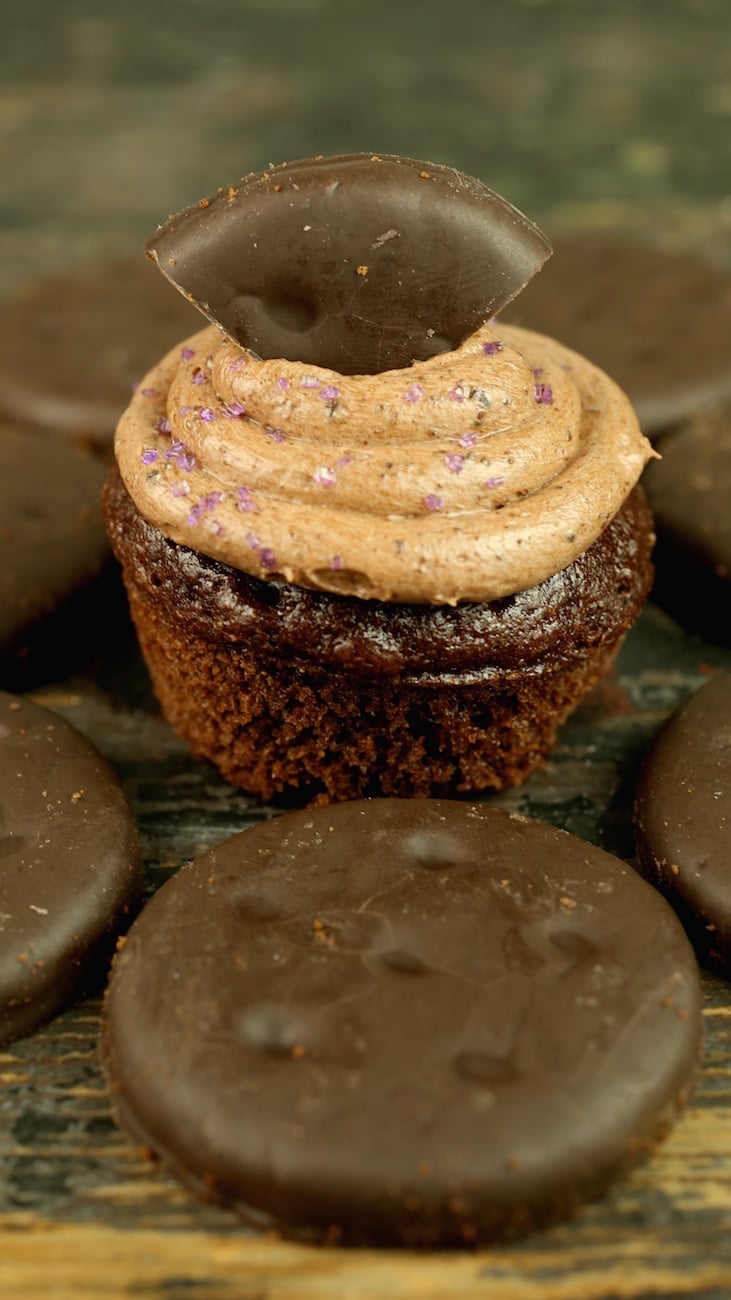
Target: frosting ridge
472, 475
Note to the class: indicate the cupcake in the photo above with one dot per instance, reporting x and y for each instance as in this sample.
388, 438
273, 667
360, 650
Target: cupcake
373, 540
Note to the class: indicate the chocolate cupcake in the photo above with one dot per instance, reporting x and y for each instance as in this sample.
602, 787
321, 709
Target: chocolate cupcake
371, 543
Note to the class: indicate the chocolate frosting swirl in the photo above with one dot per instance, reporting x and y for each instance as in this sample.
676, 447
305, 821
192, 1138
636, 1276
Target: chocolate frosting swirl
472, 475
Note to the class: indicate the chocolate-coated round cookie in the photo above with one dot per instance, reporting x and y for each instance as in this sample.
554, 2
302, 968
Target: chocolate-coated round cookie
657, 322
414, 1021
70, 862
53, 548
73, 343
690, 494
360, 263
683, 818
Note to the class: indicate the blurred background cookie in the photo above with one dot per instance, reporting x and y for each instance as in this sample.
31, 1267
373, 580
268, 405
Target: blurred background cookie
57, 586
690, 494
658, 322
73, 344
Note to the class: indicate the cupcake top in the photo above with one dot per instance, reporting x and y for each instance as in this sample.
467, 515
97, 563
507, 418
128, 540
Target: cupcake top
473, 472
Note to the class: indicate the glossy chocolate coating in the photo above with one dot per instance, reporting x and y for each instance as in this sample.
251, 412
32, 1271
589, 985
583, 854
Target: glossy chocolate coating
683, 818
554, 622
359, 263
414, 1021
70, 862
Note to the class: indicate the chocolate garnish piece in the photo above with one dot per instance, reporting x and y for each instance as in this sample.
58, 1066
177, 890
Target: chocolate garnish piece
360, 263
682, 818
396, 1020
70, 864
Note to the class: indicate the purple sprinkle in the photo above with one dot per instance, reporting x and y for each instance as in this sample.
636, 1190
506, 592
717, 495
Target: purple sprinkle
237, 363
468, 440
267, 558
457, 393
325, 475
494, 482
329, 394
537, 372
135, 386
414, 393
309, 381
455, 463
336, 563
179, 453
433, 502
276, 435
253, 541
149, 456
232, 410
217, 528
283, 383
204, 504
180, 489
207, 415
163, 425
543, 393
492, 348
343, 460
199, 378
187, 353
183, 410
245, 500
149, 392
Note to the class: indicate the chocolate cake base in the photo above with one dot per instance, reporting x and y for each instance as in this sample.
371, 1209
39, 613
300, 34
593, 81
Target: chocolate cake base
331, 697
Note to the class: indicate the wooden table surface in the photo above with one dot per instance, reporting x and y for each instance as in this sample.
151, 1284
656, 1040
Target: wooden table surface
107, 122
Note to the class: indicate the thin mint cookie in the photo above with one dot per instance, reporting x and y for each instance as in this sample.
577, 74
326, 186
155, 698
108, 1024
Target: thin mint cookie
69, 863
73, 344
402, 1021
683, 818
690, 494
54, 556
658, 322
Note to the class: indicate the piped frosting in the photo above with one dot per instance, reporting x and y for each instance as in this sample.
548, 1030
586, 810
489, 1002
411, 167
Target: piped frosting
472, 475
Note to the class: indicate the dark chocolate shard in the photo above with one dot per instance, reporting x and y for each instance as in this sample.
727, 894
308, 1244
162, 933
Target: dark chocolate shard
360, 263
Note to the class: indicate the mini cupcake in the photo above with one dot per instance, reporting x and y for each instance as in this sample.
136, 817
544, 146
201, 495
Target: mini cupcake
372, 544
